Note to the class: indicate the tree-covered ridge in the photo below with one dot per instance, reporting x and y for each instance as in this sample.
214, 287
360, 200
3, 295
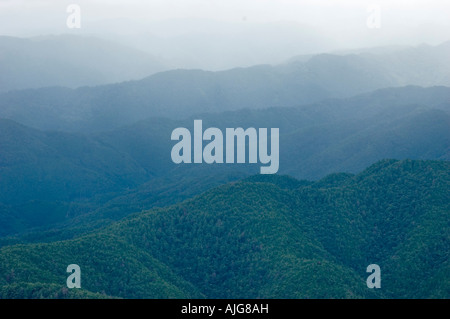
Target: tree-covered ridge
265, 237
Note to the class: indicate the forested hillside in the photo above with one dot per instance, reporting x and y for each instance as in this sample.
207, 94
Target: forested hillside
263, 237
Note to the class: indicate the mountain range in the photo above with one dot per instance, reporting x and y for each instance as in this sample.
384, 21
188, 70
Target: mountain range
86, 175
178, 94
48, 177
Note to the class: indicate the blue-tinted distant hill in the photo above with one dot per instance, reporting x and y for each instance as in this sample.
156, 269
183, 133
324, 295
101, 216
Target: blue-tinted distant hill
69, 61
178, 94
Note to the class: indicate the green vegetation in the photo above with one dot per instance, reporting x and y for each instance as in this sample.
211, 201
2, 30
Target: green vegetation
262, 237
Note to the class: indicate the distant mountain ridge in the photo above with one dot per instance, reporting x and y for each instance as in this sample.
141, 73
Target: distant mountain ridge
70, 61
178, 94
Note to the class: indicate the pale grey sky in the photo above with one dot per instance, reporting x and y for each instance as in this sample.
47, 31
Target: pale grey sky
25, 15
193, 26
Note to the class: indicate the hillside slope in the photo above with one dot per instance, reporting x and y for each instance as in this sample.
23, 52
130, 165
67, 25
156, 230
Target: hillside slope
50, 177
267, 237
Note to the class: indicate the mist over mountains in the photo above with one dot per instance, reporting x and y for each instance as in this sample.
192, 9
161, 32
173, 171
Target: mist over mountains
178, 94
72, 174
43, 172
86, 173
70, 61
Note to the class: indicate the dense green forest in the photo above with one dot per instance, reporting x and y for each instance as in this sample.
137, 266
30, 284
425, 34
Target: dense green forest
261, 237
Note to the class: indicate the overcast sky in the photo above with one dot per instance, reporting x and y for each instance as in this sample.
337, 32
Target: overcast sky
331, 24
21, 16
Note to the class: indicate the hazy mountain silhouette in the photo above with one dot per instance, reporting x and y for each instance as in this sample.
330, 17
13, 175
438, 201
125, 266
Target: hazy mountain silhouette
69, 61
178, 94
